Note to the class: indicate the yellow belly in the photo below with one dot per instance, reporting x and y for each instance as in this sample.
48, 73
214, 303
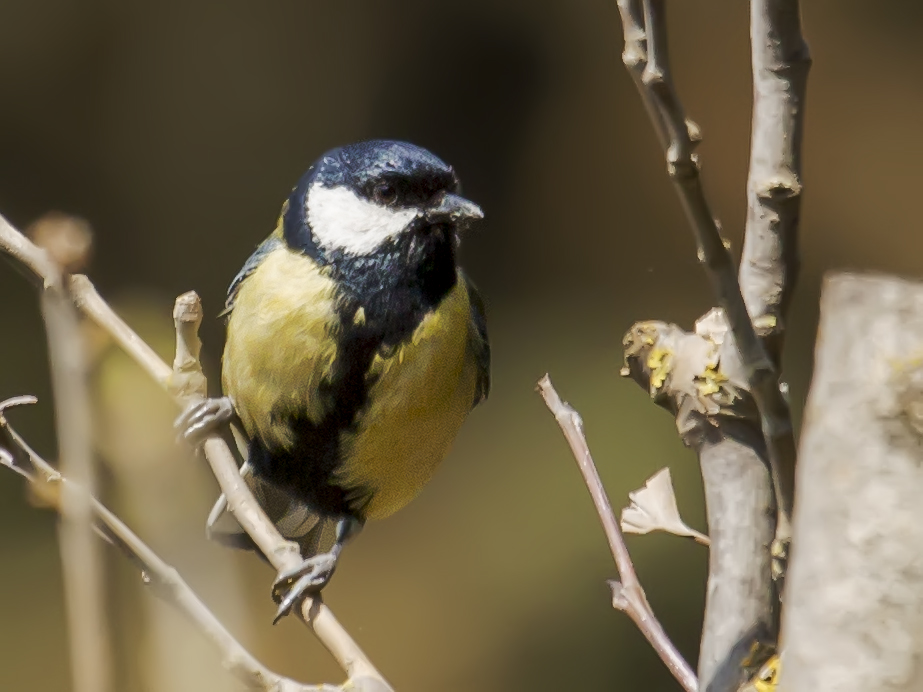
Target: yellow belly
422, 395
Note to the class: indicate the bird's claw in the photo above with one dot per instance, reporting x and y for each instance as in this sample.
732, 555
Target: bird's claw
202, 418
308, 578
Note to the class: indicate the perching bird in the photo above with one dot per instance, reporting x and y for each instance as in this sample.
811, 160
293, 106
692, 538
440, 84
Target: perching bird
355, 347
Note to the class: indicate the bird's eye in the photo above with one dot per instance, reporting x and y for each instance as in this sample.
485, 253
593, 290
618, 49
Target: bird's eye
385, 194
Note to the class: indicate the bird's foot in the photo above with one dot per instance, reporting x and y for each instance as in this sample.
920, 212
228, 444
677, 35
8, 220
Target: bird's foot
307, 579
203, 418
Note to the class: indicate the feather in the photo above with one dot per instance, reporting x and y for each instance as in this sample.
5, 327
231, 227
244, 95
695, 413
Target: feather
265, 248
478, 341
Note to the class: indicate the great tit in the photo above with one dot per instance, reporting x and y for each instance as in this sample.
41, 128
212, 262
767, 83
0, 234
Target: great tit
355, 348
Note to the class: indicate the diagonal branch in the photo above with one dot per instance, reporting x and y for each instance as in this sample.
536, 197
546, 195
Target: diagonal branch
165, 581
680, 139
282, 554
627, 595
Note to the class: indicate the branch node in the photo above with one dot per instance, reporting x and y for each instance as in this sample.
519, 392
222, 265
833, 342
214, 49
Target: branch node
694, 132
619, 601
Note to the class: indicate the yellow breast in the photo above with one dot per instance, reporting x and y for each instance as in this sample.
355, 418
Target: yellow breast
421, 396
278, 348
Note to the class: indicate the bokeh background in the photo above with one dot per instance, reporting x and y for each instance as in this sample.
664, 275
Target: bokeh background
177, 128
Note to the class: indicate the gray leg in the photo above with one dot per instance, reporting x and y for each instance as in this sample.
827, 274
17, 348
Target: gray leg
203, 418
313, 574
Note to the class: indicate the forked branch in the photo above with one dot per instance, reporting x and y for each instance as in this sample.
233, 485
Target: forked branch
165, 580
282, 554
646, 57
711, 379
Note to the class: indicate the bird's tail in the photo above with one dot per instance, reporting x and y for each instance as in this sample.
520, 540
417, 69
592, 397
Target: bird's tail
294, 519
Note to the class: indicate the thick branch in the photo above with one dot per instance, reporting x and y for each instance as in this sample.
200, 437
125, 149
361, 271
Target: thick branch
769, 265
627, 595
163, 579
854, 600
281, 554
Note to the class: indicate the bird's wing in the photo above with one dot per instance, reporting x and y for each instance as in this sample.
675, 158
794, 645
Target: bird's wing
478, 342
254, 261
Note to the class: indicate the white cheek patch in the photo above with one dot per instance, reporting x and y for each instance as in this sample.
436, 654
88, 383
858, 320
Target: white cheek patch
342, 220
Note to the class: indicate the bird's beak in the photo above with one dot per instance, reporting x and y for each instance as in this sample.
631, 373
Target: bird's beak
455, 209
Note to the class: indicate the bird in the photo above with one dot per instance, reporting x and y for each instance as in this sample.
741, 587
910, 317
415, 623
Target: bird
355, 348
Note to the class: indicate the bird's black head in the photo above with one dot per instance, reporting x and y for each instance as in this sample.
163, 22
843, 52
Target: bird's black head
392, 174
384, 216
359, 198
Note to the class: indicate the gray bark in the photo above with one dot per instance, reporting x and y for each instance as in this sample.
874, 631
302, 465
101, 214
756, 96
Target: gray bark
738, 496
853, 617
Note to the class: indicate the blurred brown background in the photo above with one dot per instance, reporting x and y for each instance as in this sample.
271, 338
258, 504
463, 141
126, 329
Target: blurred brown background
177, 129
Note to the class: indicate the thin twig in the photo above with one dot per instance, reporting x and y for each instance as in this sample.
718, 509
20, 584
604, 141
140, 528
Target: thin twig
93, 306
164, 579
81, 559
282, 554
659, 95
30, 259
634, 57
627, 595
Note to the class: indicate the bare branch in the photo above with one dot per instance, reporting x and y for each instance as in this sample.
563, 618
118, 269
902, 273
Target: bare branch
731, 450
91, 304
769, 265
741, 607
30, 259
627, 595
659, 95
854, 599
165, 581
282, 554
634, 57
81, 561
